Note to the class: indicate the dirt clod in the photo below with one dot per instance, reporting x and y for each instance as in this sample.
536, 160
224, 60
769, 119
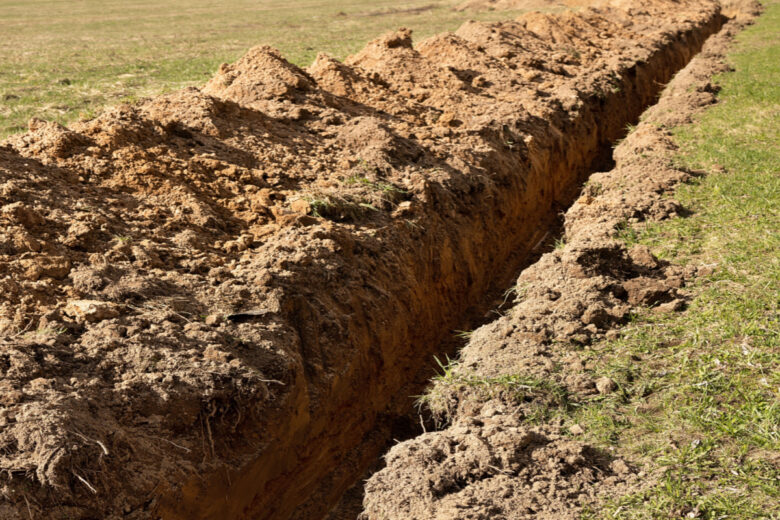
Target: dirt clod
605, 385
496, 468
90, 310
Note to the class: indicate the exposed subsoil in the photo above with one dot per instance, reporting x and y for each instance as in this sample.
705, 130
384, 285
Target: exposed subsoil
211, 298
491, 463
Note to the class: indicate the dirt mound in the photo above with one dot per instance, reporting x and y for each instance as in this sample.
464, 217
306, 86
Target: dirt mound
212, 297
529, 360
493, 467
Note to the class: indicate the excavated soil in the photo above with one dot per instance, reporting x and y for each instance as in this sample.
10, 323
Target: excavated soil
212, 300
489, 463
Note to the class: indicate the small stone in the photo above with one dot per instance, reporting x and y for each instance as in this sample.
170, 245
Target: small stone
91, 310
576, 429
213, 320
606, 385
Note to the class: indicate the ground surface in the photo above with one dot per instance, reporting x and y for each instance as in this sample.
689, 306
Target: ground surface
229, 286
62, 60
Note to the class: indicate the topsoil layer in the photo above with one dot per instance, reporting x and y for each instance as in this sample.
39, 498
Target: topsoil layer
210, 298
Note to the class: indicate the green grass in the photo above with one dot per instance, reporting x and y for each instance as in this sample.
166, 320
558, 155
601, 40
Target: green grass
544, 396
699, 391
61, 60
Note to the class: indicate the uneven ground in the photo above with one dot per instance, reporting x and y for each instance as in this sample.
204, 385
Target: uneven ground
213, 300
555, 408
63, 60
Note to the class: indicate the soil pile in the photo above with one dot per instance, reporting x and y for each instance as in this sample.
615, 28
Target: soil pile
493, 467
211, 301
529, 359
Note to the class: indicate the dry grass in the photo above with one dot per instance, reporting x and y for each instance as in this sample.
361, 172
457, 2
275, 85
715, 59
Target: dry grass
61, 60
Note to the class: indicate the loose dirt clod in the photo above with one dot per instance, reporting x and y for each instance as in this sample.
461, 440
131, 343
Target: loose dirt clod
341, 218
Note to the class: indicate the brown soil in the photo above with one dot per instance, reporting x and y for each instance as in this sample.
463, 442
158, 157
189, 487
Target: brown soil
212, 300
493, 467
487, 464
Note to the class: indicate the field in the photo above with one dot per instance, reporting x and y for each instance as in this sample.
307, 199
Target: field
64, 60
708, 413
233, 301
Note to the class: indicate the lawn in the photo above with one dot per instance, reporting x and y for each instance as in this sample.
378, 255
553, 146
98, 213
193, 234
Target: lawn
61, 60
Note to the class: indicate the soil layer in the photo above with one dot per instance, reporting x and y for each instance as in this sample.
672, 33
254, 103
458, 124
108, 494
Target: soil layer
212, 297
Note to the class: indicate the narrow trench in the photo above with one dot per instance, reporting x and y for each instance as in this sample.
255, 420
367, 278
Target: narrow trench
491, 306
402, 427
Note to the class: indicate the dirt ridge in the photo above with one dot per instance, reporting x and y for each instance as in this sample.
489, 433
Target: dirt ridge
211, 297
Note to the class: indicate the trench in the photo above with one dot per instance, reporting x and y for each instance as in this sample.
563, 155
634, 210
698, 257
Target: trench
313, 461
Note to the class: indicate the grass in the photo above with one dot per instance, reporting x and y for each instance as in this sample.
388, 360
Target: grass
61, 60
545, 396
699, 391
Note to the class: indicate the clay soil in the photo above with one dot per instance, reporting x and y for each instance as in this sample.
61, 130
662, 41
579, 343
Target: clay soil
212, 300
